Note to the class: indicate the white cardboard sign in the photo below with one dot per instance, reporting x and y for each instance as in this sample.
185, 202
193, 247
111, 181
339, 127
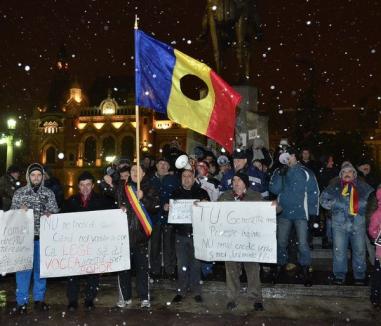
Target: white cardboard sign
84, 243
16, 240
235, 231
180, 211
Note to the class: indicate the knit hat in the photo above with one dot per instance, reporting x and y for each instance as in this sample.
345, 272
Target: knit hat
85, 175
244, 177
13, 169
222, 160
35, 167
347, 166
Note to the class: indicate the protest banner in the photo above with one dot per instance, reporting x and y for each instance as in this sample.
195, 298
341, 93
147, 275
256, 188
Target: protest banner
16, 240
180, 211
84, 243
235, 231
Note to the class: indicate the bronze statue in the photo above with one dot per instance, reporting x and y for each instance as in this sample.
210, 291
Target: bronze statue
232, 23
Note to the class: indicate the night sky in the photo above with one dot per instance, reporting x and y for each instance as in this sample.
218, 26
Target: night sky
339, 38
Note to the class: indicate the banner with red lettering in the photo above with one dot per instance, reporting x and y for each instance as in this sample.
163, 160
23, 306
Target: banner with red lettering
84, 243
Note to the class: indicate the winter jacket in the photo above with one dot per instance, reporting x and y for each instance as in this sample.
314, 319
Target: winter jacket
332, 199
249, 196
41, 201
257, 180
165, 185
196, 192
297, 192
151, 202
8, 186
375, 224
96, 202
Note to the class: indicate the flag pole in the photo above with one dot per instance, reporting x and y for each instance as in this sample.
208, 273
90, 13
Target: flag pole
137, 144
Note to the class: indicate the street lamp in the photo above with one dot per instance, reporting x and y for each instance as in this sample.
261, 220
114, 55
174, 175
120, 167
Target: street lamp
11, 123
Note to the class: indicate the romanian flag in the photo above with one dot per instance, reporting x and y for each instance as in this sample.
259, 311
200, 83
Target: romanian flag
158, 71
139, 210
350, 190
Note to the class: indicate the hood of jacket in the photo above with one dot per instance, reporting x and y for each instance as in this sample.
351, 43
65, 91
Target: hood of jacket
27, 177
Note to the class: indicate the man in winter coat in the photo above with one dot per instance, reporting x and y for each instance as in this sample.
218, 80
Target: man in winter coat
165, 183
149, 198
240, 163
241, 192
43, 202
347, 199
9, 183
188, 267
298, 195
86, 200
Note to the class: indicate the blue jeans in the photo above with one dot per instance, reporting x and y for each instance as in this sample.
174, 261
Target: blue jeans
342, 235
283, 232
23, 280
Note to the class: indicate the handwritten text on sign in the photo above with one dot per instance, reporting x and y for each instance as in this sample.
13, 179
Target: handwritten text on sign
180, 211
84, 243
235, 231
16, 240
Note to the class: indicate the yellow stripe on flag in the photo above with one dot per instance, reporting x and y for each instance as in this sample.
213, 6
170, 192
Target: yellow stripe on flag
182, 109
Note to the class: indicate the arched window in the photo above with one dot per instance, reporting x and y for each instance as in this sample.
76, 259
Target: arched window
128, 147
90, 153
51, 155
108, 146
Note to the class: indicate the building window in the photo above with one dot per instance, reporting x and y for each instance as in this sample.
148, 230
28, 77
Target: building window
108, 146
128, 148
51, 155
50, 127
90, 153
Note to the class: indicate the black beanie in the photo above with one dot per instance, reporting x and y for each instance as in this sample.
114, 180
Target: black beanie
35, 167
244, 177
85, 175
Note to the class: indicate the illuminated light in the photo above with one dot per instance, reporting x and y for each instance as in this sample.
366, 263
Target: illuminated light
18, 143
110, 159
163, 124
61, 155
145, 149
150, 145
99, 125
82, 125
11, 124
117, 125
3, 140
133, 124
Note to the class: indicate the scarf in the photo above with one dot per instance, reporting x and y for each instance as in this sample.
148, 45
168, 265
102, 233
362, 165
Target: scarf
139, 210
238, 197
350, 190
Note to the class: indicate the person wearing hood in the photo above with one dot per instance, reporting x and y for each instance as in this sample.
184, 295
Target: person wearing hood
42, 201
347, 199
9, 183
259, 152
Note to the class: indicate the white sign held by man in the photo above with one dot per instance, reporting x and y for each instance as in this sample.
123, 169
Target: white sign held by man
16, 240
84, 243
180, 211
235, 231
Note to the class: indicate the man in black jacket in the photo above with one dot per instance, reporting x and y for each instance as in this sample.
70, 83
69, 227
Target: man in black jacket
188, 267
86, 200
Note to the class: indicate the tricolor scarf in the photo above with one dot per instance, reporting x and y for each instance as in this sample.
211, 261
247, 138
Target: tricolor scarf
139, 210
350, 190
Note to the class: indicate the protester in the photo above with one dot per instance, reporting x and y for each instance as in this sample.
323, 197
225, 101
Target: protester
241, 192
163, 234
365, 172
172, 153
298, 195
223, 165
9, 183
188, 267
149, 200
259, 152
374, 230
207, 181
52, 183
42, 201
86, 200
307, 160
240, 163
347, 200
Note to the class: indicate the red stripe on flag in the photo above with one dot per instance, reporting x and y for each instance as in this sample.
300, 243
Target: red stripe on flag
222, 120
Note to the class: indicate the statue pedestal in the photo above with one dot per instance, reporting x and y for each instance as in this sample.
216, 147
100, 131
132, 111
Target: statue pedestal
250, 123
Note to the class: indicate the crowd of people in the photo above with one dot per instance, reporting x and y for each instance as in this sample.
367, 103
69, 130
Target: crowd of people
341, 202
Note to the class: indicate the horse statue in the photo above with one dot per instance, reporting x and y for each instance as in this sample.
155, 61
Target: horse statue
232, 23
